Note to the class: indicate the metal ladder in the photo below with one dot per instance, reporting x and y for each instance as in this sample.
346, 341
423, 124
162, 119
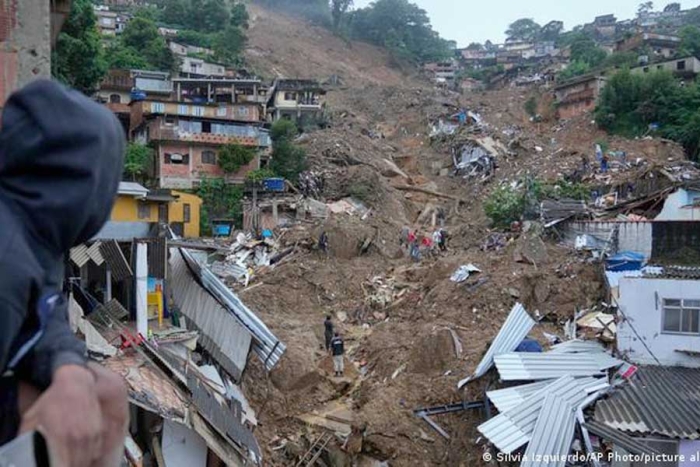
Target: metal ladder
317, 447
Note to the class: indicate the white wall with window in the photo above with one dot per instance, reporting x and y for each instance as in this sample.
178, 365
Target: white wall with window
660, 321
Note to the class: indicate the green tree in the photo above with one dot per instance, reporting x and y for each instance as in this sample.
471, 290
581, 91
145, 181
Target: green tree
232, 157
78, 59
645, 8
525, 29
219, 200
339, 9
690, 41
551, 31
196, 38
140, 46
288, 160
137, 160
402, 27
175, 12
531, 106
239, 16
475, 46
674, 7
573, 69
228, 45
505, 205
584, 49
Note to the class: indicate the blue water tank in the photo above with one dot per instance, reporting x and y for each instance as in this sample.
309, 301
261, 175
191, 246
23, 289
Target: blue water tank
274, 184
137, 95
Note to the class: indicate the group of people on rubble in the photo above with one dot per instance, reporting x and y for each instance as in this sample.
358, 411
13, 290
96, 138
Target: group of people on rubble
431, 244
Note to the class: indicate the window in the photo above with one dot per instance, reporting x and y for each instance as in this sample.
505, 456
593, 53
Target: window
208, 157
198, 111
221, 111
182, 109
115, 99
680, 65
177, 159
206, 127
186, 213
243, 111
170, 120
681, 316
157, 107
144, 211
290, 96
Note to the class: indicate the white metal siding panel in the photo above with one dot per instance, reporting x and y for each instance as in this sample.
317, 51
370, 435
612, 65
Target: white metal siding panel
518, 366
95, 254
554, 430
79, 255
514, 329
220, 332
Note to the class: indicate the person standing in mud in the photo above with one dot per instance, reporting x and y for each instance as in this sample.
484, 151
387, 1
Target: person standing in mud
338, 350
328, 332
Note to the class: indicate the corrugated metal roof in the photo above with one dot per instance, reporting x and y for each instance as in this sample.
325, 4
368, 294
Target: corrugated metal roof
514, 329
266, 345
554, 430
79, 255
132, 189
220, 332
519, 366
674, 272
620, 439
123, 231
577, 346
656, 400
513, 428
115, 259
508, 398
95, 254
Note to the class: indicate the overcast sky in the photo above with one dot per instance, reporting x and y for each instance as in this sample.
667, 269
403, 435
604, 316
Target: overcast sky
478, 20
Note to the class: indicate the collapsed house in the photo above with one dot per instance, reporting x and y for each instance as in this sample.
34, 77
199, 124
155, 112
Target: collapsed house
181, 339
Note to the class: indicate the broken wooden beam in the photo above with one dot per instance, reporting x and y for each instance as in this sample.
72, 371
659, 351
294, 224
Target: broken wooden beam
430, 192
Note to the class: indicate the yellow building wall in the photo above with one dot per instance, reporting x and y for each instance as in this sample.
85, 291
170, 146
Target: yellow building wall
126, 210
177, 212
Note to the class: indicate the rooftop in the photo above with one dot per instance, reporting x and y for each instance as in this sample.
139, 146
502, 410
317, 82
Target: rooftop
656, 401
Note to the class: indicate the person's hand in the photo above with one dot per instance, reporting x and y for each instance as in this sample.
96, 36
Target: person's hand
68, 414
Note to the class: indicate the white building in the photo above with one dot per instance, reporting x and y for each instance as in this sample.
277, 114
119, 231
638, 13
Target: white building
683, 205
660, 316
196, 66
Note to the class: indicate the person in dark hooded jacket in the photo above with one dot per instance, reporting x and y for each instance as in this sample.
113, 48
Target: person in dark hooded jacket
61, 158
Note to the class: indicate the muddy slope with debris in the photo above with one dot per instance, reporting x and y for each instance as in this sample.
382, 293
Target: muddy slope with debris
411, 333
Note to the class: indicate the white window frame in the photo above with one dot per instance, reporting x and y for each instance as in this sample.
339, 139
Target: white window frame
197, 111
157, 107
221, 111
685, 305
182, 109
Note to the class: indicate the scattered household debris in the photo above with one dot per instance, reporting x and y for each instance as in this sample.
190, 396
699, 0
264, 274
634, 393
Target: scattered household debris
463, 272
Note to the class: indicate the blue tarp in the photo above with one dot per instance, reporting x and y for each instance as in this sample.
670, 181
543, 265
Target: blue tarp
529, 345
625, 261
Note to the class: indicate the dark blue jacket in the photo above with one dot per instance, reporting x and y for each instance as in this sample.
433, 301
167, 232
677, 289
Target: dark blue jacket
61, 158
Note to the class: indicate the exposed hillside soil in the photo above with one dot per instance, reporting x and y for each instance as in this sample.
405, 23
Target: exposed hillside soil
403, 354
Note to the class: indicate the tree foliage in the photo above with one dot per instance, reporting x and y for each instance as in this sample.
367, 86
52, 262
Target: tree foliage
140, 46
674, 7
78, 59
505, 205
531, 106
690, 41
585, 56
339, 10
524, 29
288, 159
402, 27
551, 31
219, 200
228, 45
645, 8
137, 160
232, 157
630, 103
318, 11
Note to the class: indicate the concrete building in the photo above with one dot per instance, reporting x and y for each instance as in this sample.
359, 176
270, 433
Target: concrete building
137, 211
442, 72
660, 314
578, 96
192, 67
660, 45
683, 205
187, 137
25, 41
685, 68
184, 50
296, 99
106, 21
